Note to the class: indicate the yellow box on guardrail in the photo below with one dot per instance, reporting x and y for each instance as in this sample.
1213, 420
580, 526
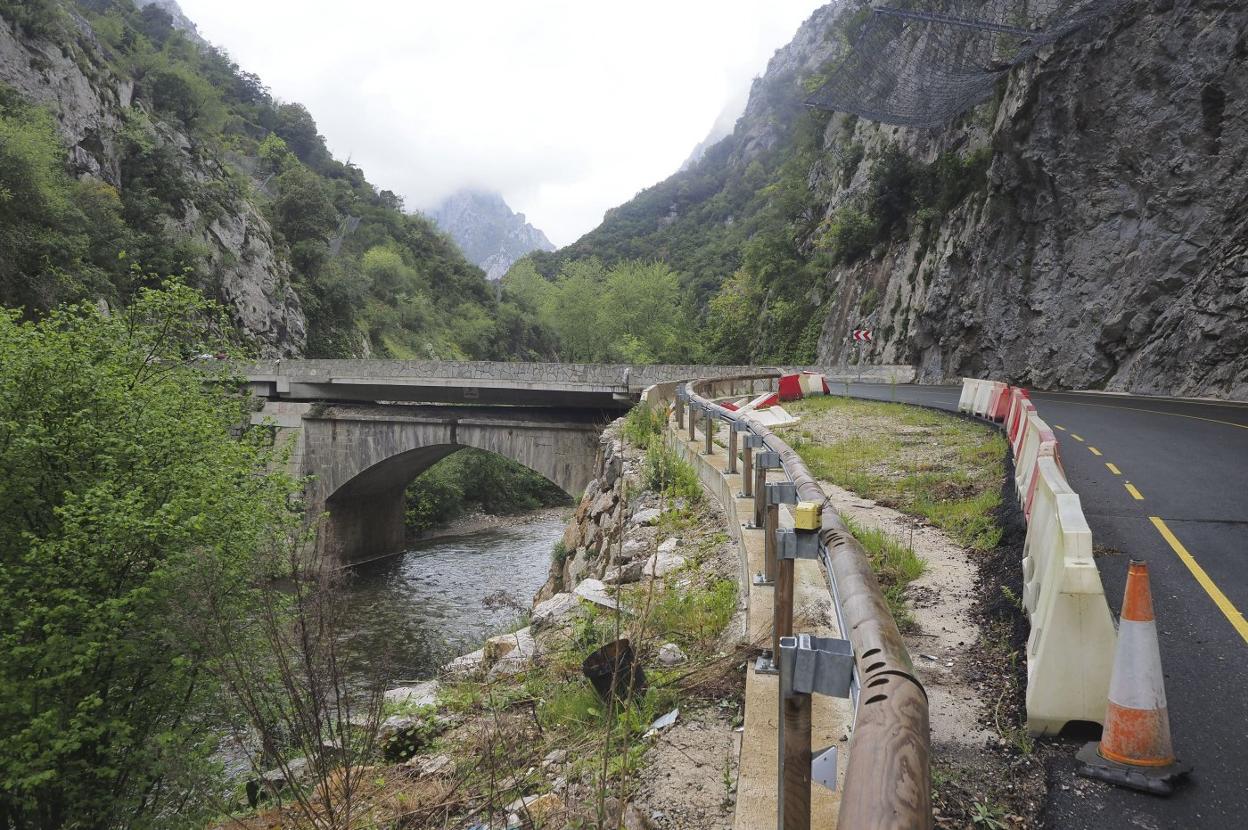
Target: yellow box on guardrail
806, 516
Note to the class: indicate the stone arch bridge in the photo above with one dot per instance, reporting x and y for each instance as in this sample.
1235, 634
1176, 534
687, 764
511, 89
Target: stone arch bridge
363, 429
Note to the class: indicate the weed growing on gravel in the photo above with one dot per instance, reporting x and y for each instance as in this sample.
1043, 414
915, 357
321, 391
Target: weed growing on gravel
668, 473
694, 615
896, 565
643, 424
987, 815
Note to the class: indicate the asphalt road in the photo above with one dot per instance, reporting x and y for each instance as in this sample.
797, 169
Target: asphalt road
1188, 463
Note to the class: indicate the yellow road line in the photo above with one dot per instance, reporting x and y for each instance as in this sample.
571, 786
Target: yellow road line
1059, 426
1094, 450
1219, 599
1076, 437
1113, 469
1135, 494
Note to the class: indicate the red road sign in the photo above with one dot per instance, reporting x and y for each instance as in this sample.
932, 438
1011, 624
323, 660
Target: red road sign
862, 335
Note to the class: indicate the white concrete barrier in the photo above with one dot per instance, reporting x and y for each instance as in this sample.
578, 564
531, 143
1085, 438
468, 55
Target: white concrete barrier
983, 398
1071, 648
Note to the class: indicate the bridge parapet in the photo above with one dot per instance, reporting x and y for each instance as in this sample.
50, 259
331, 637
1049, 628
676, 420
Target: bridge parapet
583, 385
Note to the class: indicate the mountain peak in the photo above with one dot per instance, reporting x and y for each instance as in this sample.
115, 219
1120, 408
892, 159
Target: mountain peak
487, 230
177, 17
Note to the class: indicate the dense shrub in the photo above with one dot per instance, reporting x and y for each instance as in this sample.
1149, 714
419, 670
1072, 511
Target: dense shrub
644, 424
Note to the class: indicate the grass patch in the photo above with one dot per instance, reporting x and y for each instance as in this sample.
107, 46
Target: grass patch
943, 468
896, 565
696, 615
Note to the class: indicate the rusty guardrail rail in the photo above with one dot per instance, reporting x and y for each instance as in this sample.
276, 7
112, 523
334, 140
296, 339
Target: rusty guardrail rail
887, 778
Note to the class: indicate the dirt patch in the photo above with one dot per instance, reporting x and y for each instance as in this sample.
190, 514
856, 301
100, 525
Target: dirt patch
692, 772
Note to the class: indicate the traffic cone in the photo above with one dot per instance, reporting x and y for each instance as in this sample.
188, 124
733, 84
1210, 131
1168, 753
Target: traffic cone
1135, 749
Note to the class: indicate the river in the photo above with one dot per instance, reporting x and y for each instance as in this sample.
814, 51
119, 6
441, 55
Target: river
412, 612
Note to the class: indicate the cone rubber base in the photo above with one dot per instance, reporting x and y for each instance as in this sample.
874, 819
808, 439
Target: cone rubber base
1155, 780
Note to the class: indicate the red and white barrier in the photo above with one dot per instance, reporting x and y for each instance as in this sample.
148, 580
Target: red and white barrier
1071, 648
1019, 403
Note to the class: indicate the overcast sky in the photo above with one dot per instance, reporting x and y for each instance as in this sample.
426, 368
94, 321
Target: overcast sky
566, 107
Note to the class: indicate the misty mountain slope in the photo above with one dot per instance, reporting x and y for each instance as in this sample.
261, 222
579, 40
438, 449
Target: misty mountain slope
486, 229
1085, 228
133, 151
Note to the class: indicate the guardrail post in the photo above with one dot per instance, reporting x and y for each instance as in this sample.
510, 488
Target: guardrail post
751, 442
680, 409
732, 448
763, 461
760, 490
692, 420
808, 665
780, 570
793, 804
708, 427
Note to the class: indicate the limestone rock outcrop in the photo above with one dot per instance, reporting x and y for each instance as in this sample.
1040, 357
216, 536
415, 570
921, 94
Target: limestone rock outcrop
1109, 247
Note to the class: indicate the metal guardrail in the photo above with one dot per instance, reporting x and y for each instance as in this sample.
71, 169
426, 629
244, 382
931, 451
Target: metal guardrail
887, 778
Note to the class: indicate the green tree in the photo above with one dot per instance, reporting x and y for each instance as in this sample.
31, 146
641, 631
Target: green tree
125, 504
732, 320
575, 313
59, 238
644, 317
303, 209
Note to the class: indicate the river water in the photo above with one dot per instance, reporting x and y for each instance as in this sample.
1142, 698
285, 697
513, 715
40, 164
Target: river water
412, 612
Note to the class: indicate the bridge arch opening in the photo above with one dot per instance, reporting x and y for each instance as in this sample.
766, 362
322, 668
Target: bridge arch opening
445, 482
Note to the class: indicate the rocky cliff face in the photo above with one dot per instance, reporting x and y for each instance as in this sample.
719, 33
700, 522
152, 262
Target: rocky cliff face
489, 233
92, 107
1097, 239
1108, 248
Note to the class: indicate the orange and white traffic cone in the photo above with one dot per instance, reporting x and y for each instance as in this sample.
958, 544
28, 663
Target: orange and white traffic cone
1135, 749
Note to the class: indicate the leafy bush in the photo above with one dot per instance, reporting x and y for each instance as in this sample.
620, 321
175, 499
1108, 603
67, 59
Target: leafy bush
849, 235
36, 18
695, 614
125, 506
